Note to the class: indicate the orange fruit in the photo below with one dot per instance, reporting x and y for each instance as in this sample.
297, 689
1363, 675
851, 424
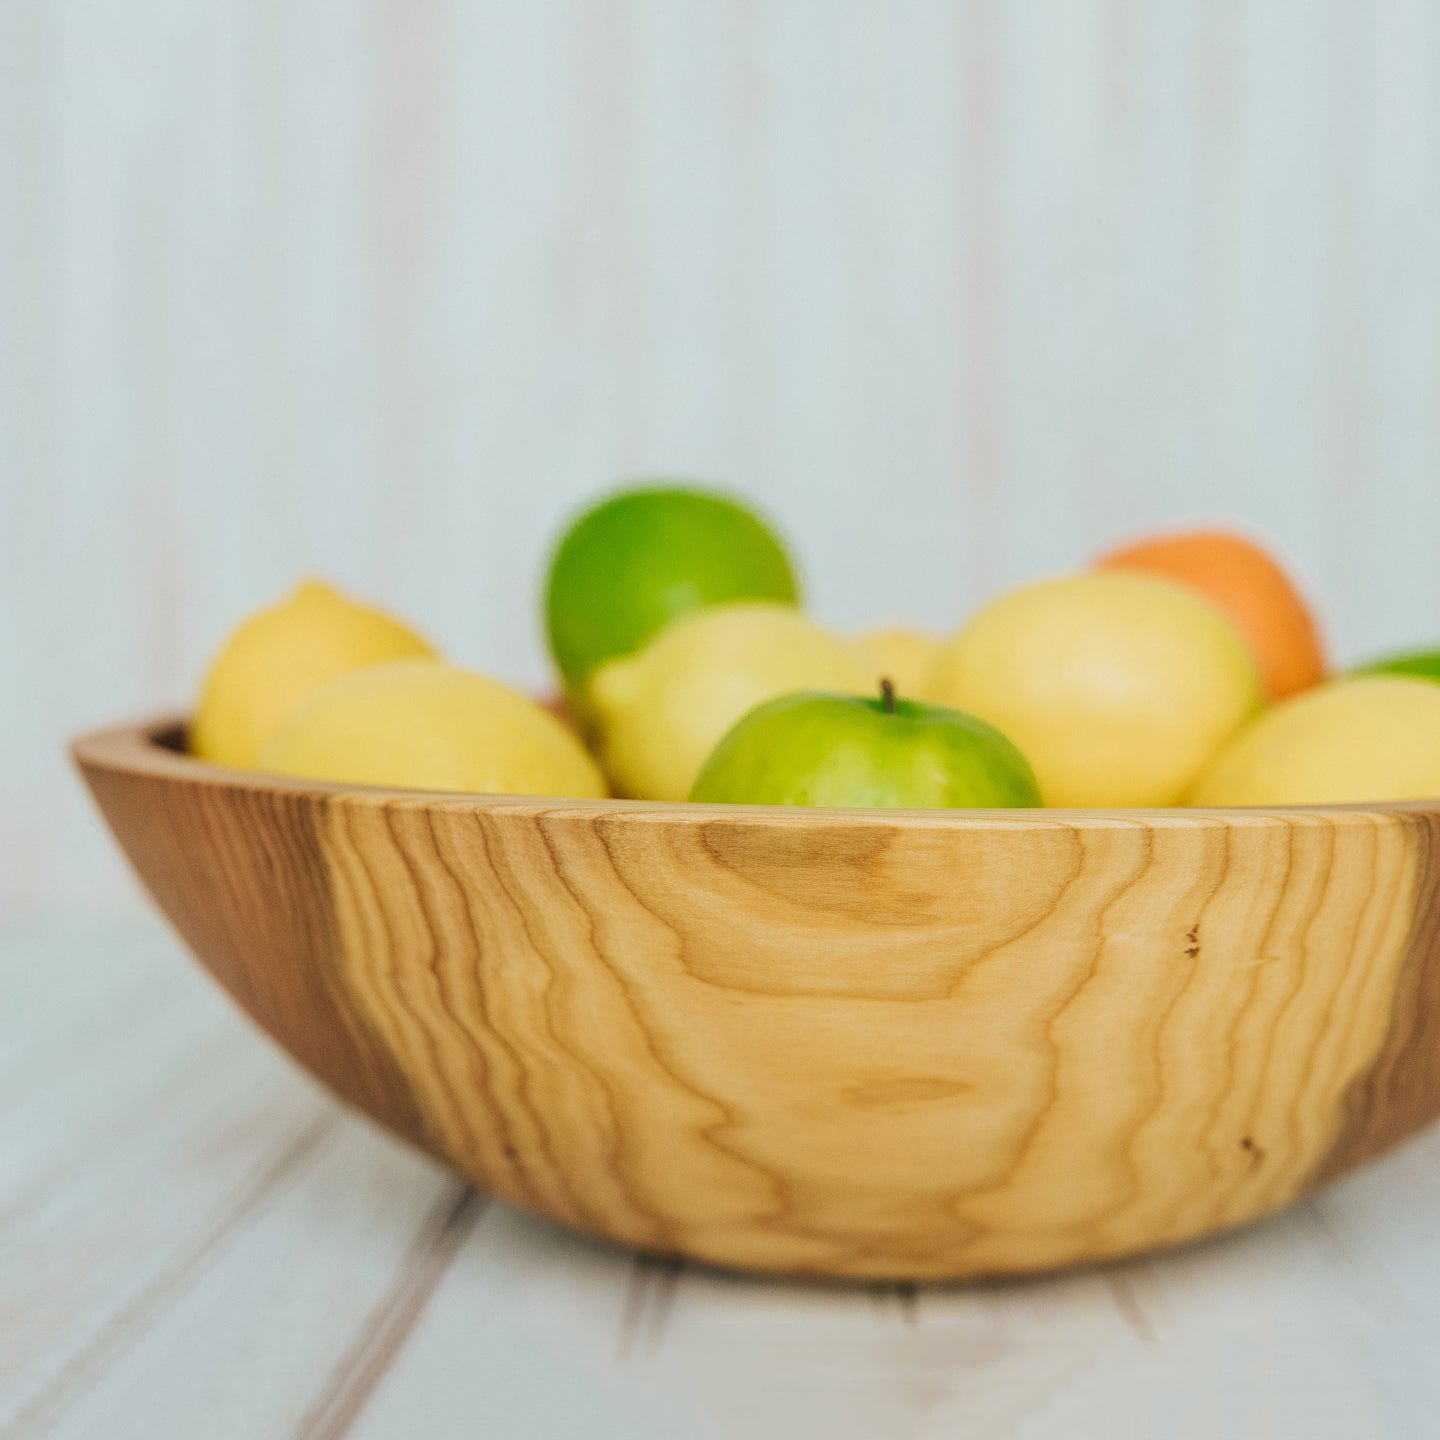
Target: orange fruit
1251, 587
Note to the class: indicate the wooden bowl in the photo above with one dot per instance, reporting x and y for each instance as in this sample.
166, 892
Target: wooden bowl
851, 1043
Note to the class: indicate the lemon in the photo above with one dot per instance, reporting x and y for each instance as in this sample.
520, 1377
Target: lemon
425, 725
906, 657
1117, 687
278, 657
1352, 740
660, 713
646, 556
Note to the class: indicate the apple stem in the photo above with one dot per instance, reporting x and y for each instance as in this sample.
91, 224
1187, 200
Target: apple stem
887, 693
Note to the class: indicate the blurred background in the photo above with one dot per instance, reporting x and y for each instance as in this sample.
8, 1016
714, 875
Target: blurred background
957, 290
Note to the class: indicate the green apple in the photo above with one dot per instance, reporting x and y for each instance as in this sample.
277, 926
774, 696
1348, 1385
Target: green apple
1422, 663
813, 747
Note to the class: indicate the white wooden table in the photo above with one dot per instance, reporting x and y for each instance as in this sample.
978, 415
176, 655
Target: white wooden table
196, 1242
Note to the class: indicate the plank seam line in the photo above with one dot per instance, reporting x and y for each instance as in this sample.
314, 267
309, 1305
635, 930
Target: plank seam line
649, 1299
83, 1370
1131, 1309
392, 1321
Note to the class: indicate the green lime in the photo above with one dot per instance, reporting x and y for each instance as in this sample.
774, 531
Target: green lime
816, 748
1424, 663
644, 557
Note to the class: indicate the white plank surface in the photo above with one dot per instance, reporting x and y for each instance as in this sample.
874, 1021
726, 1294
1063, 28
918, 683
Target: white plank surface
195, 1242
959, 289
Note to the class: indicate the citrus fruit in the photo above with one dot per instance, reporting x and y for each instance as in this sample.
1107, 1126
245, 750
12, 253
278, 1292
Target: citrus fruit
1424, 664
819, 748
278, 657
661, 712
1352, 740
425, 725
1251, 587
1117, 687
644, 557
906, 656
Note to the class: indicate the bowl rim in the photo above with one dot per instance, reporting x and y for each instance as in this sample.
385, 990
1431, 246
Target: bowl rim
152, 749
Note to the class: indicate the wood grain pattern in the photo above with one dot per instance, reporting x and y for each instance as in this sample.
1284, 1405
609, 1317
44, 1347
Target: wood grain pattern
846, 1043
1398, 1091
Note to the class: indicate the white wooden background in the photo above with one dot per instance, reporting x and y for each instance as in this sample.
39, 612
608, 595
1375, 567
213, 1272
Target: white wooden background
957, 288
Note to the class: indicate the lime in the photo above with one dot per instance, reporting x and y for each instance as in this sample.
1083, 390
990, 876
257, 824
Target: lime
644, 557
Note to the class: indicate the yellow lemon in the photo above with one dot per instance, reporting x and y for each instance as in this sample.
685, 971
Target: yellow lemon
662, 711
278, 657
905, 657
1117, 687
1358, 739
424, 725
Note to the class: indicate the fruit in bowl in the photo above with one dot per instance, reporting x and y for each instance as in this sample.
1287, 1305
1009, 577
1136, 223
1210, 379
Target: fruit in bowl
1356, 739
279, 657
1251, 587
660, 712
1424, 664
424, 725
815, 748
1118, 688
864, 1043
643, 558
936, 1031
906, 656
